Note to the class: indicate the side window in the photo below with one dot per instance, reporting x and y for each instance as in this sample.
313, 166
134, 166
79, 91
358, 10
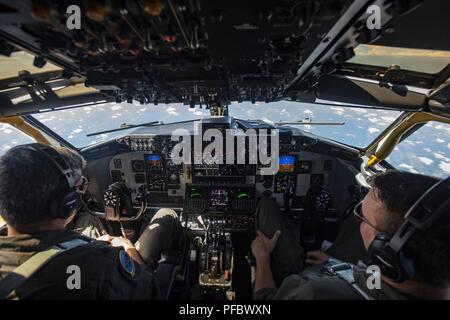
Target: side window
11, 137
426, 151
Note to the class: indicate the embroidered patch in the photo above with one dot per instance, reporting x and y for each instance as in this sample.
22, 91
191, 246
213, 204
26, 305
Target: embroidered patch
126, 263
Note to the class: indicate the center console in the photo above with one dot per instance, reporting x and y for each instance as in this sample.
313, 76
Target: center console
224, 195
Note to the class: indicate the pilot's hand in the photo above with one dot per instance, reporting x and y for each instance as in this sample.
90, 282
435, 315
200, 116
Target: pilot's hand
126, 244
262, 246
314, 258
116, 241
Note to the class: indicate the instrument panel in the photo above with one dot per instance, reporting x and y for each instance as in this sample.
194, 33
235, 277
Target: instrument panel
221, 193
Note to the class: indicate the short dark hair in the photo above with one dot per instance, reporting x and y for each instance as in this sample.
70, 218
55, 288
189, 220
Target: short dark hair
28, 183
429, 249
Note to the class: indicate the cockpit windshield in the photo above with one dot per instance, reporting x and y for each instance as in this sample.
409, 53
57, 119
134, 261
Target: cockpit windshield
352, 126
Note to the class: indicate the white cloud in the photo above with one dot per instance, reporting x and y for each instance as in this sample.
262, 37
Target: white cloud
442, 127
116, 107
104, 136
250, 113
307, 111
359, 110
388, 119
43, 119
373, 130
425, 160
445, 166
195, 111
77, 130
439, 140
268, 121
373, 120
338, 110
441, 157
408, 167
172, 111
6, 130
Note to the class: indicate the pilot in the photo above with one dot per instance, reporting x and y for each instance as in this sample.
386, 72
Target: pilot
284, 271
41, 259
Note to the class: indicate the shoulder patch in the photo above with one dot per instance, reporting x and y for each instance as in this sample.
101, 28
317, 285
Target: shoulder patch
126, 263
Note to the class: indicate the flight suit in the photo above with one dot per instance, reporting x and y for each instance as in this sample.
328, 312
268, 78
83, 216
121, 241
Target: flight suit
103, 273
314, 284
299, 283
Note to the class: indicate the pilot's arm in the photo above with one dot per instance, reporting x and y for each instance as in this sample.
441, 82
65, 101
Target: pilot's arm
132, 279
126, 279
262, 247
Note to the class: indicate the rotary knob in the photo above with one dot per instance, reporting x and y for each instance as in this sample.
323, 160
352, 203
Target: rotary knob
111, 198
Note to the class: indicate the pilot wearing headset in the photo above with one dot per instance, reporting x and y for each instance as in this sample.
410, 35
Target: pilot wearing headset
39, 259
405, 227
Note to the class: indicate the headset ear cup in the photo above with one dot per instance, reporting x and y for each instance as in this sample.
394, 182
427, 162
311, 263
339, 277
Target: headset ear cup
397, 267
407, 266
62, 208
379, 256
69, 204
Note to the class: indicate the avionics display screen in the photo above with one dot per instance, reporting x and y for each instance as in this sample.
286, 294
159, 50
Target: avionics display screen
219, 197
286, 164
154, 162
153, 157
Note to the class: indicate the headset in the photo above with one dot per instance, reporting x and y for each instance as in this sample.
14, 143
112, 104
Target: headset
61, 202
390, 252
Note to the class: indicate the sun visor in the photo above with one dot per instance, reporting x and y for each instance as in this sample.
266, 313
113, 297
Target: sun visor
352, 91
439, 101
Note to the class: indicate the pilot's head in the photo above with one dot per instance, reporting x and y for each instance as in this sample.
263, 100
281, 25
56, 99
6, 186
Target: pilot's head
383, 210
30, 185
